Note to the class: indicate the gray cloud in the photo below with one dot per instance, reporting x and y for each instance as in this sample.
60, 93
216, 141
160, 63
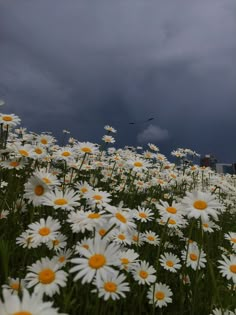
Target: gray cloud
152, 134
80, 64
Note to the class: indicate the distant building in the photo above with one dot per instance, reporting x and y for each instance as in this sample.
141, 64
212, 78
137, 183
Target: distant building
208, 161
225, 168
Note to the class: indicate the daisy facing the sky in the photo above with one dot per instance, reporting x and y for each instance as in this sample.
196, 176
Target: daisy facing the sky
44, 230
202, 205
112, 286
228, 267
58, 199
46, 277
98, 260
28, 305
160, 295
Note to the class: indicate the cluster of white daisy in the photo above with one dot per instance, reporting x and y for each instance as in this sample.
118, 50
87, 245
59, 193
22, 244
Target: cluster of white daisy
116, 220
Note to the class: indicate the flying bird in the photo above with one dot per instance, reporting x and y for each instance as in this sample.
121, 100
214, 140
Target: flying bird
141, 121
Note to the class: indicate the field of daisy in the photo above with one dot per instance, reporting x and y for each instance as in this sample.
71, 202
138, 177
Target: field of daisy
90, 229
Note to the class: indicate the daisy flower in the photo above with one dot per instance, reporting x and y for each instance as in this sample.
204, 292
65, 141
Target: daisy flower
47, 177
83, 187
28, 305
46, 277
45, 140
128, 259
4, 214
13, 164
9, 119
109, 129
159, 294
195, 258
39, 152
62, 257
112, 286
218, 311
143, 215
65, 153
231, 236
120, 237
138, 165
123, 218
169, 210
97, 197
138, 238
15, 285
209, 226
26, 241
97, 261
228, 267
170, 262
57, 243
143, 273
87, 148
44, 230
199, 204
151, 238
108, 139
58, 199
35, 189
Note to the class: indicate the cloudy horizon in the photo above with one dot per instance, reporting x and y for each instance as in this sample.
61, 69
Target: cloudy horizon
80, 65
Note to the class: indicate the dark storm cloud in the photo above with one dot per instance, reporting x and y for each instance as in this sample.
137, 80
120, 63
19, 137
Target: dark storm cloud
78, 65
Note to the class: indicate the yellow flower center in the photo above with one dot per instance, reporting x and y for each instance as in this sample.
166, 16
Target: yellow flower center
94, 215
121, 236
124, 261
86, 150
61, 259
39, 190
15, 286
110, 287
60, 202
46, 180
55, 242
135, 238
44, 141
38, 151
193, 256
159, 295
138, 164
232, 268
84, 190
14, 163
22, 313
172, 221
143, 274
7, 118
85, 246
97, 261
66, 153
205, 225
121, 218
44, 231
102, 232
233, 240
150, 238
97, 197
200, 205
46, 276
171, 210
23, 152
142, 215
169, 263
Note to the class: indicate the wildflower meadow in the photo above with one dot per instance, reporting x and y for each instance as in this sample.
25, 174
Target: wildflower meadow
88, 228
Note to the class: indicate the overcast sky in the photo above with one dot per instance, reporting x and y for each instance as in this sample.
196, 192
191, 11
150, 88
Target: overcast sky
79, 65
